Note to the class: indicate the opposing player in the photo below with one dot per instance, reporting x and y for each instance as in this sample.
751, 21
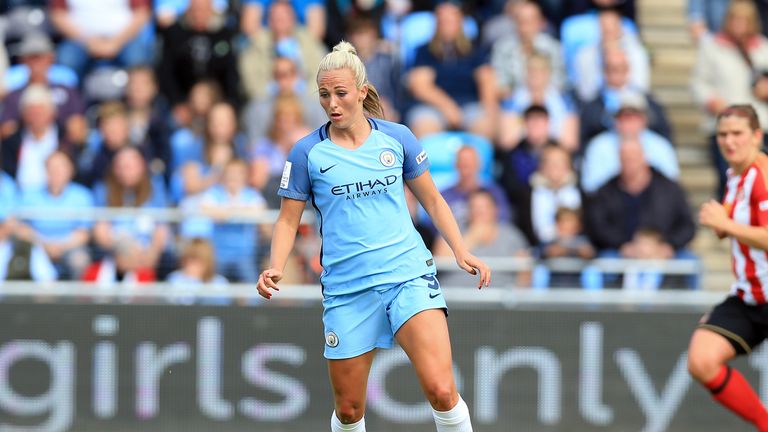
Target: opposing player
738, 324
379, 279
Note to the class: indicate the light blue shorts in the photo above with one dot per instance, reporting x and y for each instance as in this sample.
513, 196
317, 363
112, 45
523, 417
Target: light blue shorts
360, 322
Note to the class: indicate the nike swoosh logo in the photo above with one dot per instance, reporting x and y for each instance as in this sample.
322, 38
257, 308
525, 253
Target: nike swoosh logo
434, 295
323, 170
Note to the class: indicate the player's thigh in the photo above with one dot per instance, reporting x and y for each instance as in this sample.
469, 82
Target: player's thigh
349, 378
707, 351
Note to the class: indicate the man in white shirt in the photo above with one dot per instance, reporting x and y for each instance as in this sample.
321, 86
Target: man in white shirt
25, 153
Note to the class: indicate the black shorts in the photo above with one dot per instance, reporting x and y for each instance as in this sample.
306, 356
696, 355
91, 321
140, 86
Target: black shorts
744, 326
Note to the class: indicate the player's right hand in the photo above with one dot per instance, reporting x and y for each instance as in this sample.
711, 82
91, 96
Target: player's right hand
268, 280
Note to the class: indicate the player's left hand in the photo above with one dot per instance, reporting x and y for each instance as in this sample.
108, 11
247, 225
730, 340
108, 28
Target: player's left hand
268, 280
473, 265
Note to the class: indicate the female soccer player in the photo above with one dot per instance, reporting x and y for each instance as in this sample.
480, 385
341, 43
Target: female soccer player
379, 279
738, 324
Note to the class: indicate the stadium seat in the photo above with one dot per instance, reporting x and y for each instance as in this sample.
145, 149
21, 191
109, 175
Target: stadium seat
17, 76
441, 149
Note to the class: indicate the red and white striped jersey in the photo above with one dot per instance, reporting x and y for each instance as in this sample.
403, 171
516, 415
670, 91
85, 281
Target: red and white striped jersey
746, 201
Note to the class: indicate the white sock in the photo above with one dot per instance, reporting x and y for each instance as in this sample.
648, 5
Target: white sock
338, 426
454, 420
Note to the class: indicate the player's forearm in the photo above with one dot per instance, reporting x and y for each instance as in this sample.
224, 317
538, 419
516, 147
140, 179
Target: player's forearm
283, 239
752, 236
445, 223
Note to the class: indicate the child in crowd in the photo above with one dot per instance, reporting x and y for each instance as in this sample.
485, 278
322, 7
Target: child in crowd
235, 243
646, 244
569, 241
553, 185
197, 272
123, 265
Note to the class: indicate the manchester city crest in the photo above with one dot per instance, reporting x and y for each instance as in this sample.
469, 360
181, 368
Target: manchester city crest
387, 158
331, 339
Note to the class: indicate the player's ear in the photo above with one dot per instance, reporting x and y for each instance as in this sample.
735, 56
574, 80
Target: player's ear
363, 92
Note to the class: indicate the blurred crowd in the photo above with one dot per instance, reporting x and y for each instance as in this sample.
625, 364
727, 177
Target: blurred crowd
537, 117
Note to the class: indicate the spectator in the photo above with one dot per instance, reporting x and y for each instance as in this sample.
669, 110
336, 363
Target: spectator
24, 153
553, 186
149, 118
235, 242
188, 141
539, 90
126, 264
597, 115
646, 244
310, 14
342, 13
128, 185
114, 31
167, 12
8, 204
583, 29
64, 240
452, 81
569, 240
587, 76
518, 165
36, 53
198, 47
457, 196
380, 61
732, 68
286, 82
486, 235
639, 197
706, 16
283, 38
601, 158
197, 273
499, 26
523, 160
510, 54
114, 134
19, 259
24, 261
270, 153
221, 144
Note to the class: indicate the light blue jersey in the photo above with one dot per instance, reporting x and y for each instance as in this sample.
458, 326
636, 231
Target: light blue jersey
359, 199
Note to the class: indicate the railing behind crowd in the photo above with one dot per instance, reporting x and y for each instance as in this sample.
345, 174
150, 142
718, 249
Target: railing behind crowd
595, 273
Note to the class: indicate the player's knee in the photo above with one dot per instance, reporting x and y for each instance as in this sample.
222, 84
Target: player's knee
703, 367
349, 412
442, 396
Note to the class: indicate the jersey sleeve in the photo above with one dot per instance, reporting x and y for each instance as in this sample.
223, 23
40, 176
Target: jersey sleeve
295, 182
415, 160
